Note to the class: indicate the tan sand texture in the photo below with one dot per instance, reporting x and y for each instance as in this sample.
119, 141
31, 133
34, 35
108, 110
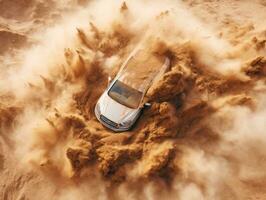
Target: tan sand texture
202, 138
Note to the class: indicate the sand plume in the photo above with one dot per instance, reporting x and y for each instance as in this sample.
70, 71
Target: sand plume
202, 138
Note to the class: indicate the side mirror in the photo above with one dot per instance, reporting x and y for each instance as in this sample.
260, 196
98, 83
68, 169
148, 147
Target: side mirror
147, 104
109, 80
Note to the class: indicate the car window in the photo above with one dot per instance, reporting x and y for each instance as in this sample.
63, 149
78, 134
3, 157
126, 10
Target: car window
125, 95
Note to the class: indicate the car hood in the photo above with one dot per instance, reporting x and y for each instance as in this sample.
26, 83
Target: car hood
115, 111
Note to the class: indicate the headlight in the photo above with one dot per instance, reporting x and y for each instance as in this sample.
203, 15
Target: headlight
97, 109
126, 123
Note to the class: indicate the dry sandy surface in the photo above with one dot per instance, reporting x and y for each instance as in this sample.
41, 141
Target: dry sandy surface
204, 136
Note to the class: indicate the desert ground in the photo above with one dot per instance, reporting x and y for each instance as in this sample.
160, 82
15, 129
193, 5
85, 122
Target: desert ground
204, 136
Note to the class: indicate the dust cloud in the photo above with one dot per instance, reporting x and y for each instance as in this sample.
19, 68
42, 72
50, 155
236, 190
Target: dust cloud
202, 138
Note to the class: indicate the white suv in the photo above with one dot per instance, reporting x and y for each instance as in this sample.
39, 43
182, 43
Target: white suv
121, 104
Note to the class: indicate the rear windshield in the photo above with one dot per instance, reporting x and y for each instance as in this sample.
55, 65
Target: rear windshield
125, 95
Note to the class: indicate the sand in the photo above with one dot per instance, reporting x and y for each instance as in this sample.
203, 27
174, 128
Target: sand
203, 136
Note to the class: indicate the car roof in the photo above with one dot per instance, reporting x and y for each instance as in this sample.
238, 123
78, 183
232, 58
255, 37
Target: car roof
141, 68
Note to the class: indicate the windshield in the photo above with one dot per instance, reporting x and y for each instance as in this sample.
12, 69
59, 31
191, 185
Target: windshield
126, 95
